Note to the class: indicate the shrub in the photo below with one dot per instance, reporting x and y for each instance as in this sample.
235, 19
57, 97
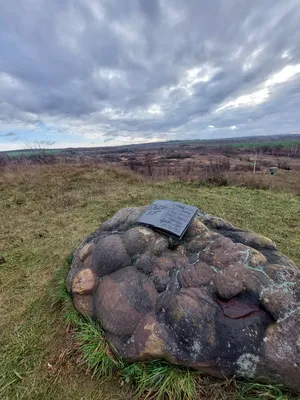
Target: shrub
283, 164
3, 161
175, 155
245, 167
218, 180
215, 172
251, 181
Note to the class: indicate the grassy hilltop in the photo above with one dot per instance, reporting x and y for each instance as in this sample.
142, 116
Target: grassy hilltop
45, 212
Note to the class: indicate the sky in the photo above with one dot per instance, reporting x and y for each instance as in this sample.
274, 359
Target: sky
111, 72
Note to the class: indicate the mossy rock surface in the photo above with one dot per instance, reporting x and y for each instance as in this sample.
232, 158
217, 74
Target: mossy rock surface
223, 301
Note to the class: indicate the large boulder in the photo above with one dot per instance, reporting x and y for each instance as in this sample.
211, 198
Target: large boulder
223, 300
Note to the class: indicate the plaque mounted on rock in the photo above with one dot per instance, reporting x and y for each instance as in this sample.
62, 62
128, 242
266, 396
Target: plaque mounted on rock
170, 217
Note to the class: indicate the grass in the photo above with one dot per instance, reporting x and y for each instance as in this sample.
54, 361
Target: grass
45, 211
29, 152
95, 350
288, 181
274, 143
160, 381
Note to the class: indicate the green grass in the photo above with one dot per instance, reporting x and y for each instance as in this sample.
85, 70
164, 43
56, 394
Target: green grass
95, 350
45, 212
27, 152
161, 381
273, 143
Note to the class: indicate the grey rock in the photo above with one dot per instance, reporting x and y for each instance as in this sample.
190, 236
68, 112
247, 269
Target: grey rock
223, 301
110, 255
122, 299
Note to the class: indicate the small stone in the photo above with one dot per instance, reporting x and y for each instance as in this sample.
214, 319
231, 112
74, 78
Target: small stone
86, 251
160, 279
137, 239
230, 282
222, 252
122, 300
196, 245
197, 228
2, 260
180, 262
216, 223
251, 239
164, 264
124, 219
256, 280
274, 257
85, 282
84, 304
110, 255
161, 244
282, 274
279, 302
281, 355
147, 341
87, 263
76, 268
180, 251
257, 259
146, 262
196, 275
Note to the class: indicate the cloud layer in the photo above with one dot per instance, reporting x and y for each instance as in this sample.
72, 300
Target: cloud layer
125, 71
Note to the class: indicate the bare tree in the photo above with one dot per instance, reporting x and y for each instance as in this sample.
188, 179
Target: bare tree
40, 152
148, 165
255, 161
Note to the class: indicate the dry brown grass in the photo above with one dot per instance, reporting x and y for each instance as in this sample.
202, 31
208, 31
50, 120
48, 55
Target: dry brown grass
286, 181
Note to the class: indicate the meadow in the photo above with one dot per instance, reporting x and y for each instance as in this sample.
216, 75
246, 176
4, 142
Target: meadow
45, 212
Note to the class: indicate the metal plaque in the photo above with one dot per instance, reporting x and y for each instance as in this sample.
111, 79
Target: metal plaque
169, 216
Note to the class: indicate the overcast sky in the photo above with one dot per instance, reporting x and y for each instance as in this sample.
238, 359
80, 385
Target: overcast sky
110, 72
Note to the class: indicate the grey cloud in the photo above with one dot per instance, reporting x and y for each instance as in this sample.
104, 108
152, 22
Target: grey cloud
8, 134
105, 63
151, 9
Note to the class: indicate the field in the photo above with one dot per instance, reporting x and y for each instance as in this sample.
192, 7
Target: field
20, 153
45, 212
222, 162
